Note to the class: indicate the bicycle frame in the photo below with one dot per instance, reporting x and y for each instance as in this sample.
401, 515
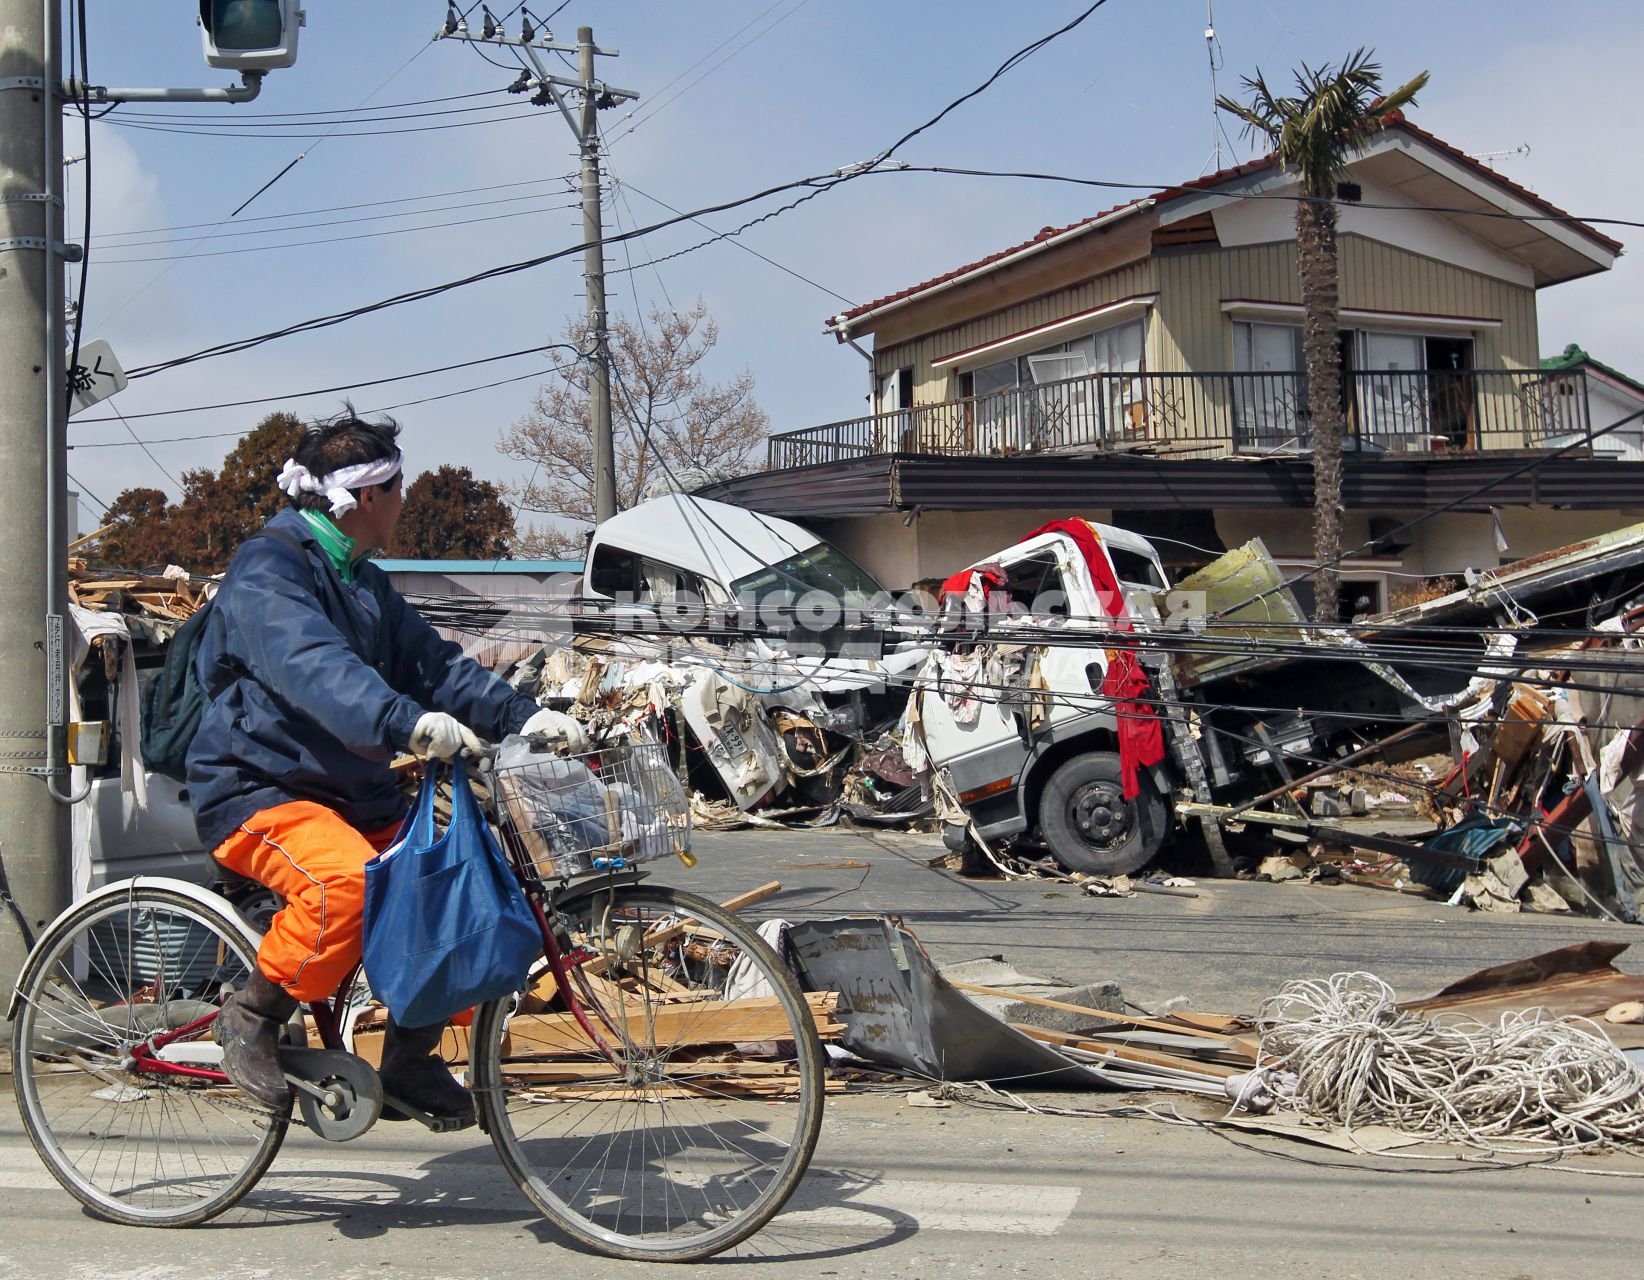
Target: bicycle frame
328, 1013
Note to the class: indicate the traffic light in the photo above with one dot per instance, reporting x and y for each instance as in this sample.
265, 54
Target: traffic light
250, 35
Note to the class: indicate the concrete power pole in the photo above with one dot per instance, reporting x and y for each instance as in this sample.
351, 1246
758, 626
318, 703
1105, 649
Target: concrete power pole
595, 96
593, 277
34, 847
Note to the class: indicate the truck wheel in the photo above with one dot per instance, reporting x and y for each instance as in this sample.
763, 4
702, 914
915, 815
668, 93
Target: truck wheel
1090, 826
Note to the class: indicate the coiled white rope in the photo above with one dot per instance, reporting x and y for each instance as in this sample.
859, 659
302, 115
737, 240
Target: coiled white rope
1534, 1082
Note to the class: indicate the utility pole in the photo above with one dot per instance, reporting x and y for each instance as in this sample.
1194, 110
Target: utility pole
595, 96
593, 279
33, 447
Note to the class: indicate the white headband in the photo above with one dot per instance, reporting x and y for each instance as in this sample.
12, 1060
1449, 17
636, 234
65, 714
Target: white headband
295, 479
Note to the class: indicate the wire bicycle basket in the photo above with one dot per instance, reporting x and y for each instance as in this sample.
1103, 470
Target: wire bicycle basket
601, 810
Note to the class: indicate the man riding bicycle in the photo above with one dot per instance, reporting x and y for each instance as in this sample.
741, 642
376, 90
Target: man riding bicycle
319, 673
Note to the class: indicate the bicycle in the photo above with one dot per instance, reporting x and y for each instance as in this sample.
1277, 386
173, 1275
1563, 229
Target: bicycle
627, 1086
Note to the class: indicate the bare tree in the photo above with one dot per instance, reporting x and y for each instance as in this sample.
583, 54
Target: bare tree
666, 416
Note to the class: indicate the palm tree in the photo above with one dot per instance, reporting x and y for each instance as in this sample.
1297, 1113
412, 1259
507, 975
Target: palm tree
1313, 136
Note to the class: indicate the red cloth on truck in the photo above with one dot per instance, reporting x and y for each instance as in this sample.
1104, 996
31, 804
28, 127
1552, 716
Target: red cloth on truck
959, 583
1141, 737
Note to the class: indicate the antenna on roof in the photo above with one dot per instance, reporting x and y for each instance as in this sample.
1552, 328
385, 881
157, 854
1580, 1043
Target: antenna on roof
1213, 50
1523, 149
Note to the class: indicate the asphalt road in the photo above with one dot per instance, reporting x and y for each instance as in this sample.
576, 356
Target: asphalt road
905, 1191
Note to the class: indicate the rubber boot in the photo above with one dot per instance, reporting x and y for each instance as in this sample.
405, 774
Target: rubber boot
412, 1072
249, 1031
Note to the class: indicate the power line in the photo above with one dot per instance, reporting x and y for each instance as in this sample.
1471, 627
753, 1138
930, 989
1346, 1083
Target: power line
430, 291
362, 235
84, 493
746, 248
1174, 188
382, 408
660, 102
335, 222
335, 111
346, 386
146, 451
346, 208
873, 166
218, 123
161, 274
333, 133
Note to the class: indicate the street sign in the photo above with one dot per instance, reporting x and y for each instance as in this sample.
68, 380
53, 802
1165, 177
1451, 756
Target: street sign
97, 376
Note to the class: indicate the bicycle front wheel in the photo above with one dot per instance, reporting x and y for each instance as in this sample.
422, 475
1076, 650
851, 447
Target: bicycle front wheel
133, 1147
684, 1121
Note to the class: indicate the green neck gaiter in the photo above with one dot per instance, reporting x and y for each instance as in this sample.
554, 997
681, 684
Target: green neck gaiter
337, 545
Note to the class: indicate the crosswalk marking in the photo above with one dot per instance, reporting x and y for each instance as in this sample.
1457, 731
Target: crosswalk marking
824, 1200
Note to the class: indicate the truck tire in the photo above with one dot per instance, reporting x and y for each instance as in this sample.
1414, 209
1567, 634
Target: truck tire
1091, 827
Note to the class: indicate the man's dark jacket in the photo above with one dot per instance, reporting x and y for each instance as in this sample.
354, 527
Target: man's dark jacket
316, 684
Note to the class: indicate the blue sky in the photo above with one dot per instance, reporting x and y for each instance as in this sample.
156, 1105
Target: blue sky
737, 95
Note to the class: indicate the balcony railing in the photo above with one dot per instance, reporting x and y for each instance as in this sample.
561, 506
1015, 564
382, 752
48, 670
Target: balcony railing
1206, 414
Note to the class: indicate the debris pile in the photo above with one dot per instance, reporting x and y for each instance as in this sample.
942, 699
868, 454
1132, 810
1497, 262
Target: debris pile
164, 600
753, 747
1537, 1056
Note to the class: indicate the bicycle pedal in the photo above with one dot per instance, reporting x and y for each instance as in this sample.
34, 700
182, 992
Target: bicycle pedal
429, 1121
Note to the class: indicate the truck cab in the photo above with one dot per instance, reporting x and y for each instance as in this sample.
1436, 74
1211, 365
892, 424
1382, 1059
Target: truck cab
1034, 753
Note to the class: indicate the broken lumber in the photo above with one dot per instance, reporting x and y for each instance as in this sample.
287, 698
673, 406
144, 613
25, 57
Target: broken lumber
701, 1022
1099, 1015
1107, 1049
752, 896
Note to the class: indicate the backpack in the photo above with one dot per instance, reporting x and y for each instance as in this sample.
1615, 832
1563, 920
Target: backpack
174, 702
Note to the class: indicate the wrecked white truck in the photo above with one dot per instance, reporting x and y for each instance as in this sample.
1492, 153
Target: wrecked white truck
1021, 735
1094, 747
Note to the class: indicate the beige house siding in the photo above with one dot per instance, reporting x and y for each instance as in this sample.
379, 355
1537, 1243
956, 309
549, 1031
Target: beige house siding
933, 386
1193, 334
1188, 332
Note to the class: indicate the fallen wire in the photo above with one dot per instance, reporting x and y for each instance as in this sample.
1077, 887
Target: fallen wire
1533, 1083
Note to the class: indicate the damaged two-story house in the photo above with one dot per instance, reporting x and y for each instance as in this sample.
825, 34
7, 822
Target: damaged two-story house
1142, 367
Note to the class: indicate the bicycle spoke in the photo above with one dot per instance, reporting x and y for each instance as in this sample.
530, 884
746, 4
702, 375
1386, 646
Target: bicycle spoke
661, 1152
135, 1146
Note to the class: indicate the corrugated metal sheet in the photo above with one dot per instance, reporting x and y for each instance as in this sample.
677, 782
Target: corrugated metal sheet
887, 482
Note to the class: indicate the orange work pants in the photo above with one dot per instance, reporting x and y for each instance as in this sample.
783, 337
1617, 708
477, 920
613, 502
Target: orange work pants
313, 859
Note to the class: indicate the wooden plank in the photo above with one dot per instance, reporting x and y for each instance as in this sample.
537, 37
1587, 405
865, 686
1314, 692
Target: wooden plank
675, 1024
1151, 1057
752, 896
1218, 1022
89, 538
1100, 1015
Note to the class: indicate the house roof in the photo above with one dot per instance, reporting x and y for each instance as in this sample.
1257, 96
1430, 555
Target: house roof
842, 322
1573, 357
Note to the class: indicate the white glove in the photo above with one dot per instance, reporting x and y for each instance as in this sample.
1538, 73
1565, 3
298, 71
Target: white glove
439, 737
556, 724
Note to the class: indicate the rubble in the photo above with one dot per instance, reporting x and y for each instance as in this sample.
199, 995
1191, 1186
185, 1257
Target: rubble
755, 749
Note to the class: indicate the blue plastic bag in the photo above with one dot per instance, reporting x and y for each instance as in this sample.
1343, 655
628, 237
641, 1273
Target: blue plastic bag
446, 925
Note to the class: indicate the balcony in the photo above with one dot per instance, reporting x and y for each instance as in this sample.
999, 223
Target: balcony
1213, 414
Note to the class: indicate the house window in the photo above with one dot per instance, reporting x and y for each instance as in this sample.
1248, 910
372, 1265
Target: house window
896, 390
1045, 399
1267, 348
1411, 391
1269, 396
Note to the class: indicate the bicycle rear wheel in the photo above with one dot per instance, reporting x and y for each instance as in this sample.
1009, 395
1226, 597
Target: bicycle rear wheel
685, 1123
137, 1148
